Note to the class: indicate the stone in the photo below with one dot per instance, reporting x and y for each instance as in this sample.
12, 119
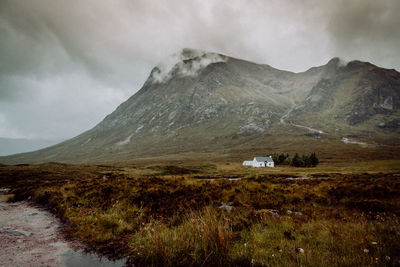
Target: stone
228, 208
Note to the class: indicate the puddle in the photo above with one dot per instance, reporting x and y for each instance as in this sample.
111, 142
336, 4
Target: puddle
82, 259
31, 236
301, 178
306, 178
33, 217
217, 179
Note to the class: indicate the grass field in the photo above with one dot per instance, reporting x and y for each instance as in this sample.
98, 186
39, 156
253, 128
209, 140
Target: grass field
182, 213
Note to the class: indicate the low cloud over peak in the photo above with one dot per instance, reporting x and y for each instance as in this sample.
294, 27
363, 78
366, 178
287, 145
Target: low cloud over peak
187, 62
64, 65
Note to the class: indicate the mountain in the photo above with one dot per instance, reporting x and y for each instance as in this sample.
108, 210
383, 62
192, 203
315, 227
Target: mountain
201, 102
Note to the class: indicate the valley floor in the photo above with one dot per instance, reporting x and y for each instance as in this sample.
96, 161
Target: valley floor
191, 214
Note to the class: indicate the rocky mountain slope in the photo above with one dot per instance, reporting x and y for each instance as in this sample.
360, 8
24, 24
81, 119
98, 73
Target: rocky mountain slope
205, 102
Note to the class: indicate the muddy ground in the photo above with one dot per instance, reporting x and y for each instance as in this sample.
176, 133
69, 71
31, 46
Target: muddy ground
31, 236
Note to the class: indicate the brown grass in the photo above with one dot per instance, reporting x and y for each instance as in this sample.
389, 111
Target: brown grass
167, 214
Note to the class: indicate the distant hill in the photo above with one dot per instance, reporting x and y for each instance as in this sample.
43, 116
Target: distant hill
10, 146
201, 102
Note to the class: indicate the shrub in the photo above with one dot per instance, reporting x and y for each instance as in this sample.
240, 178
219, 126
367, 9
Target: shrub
297, 160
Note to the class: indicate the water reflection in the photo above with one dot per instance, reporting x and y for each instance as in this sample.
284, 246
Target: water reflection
82, 259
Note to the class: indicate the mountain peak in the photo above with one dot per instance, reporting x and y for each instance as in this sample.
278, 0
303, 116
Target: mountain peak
192, 104
186, 62
190, 53
338, 62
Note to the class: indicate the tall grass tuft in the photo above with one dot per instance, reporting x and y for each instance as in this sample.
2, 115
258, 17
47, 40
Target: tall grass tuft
203, 238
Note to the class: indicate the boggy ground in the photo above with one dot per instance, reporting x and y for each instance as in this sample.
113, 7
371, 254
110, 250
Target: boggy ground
31, 236
186, 214
28, 237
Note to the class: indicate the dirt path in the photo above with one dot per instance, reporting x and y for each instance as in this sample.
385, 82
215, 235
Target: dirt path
354, 142
30, 236
308, 128
282, 121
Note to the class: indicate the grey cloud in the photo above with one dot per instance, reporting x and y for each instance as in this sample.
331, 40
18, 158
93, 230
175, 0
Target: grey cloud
366, 30
176, 64
72, 62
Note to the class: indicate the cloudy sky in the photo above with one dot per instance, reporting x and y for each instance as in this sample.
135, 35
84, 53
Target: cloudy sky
64, 65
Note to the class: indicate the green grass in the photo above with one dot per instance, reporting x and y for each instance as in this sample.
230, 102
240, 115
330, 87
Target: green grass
211, 237
161, 214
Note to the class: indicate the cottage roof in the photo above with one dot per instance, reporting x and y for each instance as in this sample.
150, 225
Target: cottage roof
264, 159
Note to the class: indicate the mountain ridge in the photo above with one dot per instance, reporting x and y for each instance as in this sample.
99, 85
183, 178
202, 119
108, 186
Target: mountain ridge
211, 102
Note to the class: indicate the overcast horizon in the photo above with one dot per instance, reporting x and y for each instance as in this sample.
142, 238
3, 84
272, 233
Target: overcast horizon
65, 65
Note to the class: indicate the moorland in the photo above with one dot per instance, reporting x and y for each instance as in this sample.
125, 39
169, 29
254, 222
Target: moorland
212, 213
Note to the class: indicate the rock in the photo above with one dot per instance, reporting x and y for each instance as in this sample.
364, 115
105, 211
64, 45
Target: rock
228, 208
297, 213
392, 125
273, 213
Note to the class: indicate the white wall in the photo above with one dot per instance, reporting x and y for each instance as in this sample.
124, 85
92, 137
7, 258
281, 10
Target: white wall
257, 164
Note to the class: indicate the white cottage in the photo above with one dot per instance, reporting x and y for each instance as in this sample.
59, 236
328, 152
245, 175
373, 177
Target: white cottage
260, 162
